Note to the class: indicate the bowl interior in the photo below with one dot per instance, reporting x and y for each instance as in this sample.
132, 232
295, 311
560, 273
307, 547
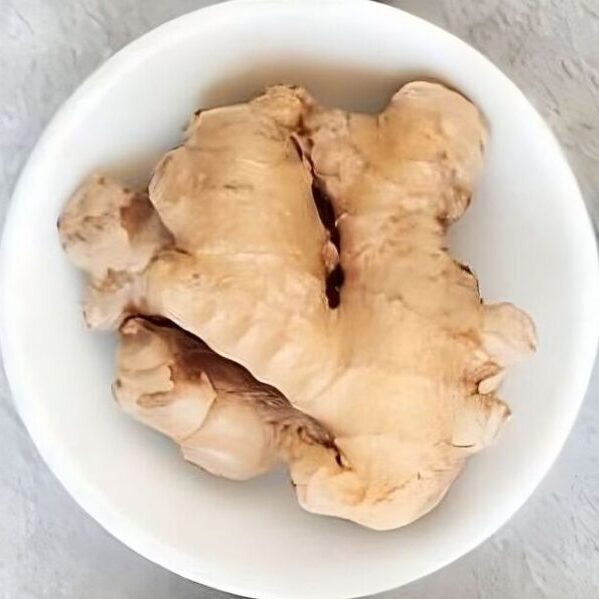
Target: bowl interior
527, 236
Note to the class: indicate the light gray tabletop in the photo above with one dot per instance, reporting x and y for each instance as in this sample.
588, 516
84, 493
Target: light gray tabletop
50, 549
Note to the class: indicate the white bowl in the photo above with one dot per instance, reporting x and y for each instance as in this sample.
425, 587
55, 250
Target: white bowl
527, 236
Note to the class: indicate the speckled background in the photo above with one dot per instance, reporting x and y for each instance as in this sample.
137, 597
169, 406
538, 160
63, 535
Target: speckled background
50, 549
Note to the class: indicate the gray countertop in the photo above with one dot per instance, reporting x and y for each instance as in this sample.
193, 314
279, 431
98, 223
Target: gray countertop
50, 549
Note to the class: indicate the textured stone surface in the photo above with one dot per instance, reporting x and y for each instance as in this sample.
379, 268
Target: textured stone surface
550, 549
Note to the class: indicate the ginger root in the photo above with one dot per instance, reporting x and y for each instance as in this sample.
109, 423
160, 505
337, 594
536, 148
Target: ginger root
375, 400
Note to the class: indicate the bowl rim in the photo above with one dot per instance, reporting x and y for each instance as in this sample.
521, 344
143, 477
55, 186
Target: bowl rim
64, 467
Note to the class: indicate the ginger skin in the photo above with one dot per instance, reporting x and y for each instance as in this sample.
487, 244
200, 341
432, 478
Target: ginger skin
397, 384
223, 419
